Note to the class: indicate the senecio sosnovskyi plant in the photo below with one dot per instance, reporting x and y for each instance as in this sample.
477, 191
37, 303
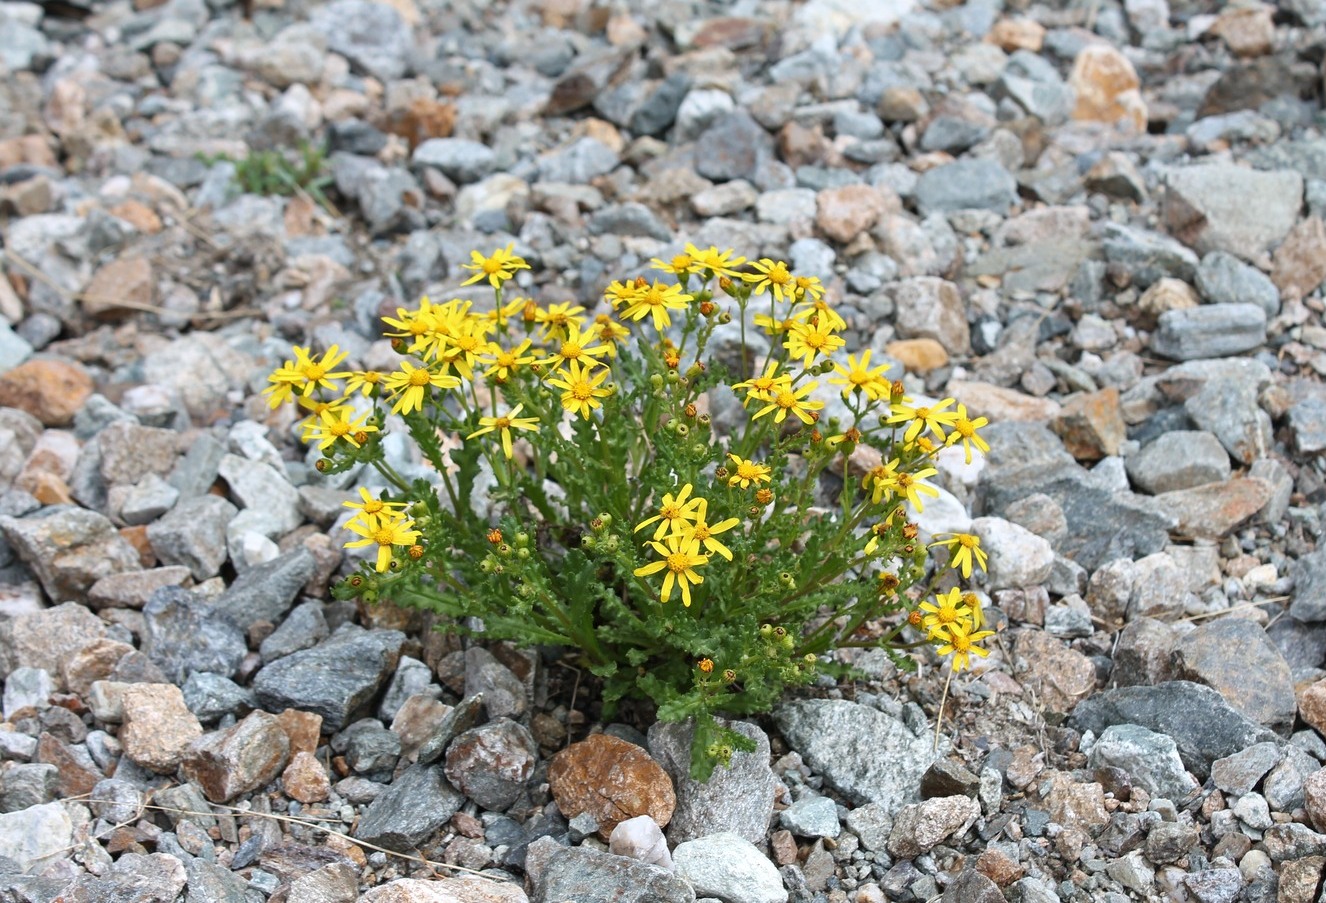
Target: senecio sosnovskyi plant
683, 564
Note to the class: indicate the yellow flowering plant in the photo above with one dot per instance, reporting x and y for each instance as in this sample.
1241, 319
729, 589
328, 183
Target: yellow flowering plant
669, 503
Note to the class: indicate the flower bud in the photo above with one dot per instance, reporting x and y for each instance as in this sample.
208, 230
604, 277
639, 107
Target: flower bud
589, 542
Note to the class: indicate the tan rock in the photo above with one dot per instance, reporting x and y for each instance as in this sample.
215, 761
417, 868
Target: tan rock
1091, 425
1108, 89
611, 779
1076, 804
918, 355
305, 779
1300, 262
158, 726
139, 215
120, 288
421, 119
238, 759
1166, 294
845, 212
1213, 510
33, 149
1017, 34
1247, 31
50, 390
95, 661
1312, 705
999, 867
1060, 676
1000, 404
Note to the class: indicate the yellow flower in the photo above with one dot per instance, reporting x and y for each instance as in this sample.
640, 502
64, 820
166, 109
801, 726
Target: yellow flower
557, 319
773, 325
580, 391
675, 514
774, 276
719, 263
910, 487
804, 342
363, 381
610, 332
811, 285
316, 408
821, 314
304, 374
962, 644
881, 481
656, 301
962, 548
681, 556
860, 376
577, 347
680, 265
703, 532
466, 346
744, 472
947, 609
760, 387
371, 506
419, 326
340, 423
505, 362
412, 384
619, 293
505, 424
784, 399
964, 431
498, 268
933, 419
383, 531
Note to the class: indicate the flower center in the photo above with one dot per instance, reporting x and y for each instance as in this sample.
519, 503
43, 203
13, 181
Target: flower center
779, 275
314, 372
702, 532
502, 423
747, 471
786, 399
681, 262
419, 378
582, 391
339, 428
571, 350
815, 340
383, 537
678, 562
506, 359
467, 342
492, 265
961, 643
373, 506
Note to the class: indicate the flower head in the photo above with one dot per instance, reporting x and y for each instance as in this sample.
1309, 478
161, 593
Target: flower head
581, 391
676, 513
784, 399
963, 548
504, 425
577, 346
719, 263
503, 362
411, 385
384, 531
773, 276
339, 423
680, 557
305, 374
933, 418
961, 640
704, 532
656, 301
805, 342
744, 472
557, 319
964, 431
497, 268
859, 376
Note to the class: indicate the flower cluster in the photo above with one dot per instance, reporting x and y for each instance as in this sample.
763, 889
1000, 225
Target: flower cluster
609, 489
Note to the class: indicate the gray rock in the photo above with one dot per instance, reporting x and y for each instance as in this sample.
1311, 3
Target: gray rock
576, 164
1223, 207
589, 876
334, 678
255, 484
69, 549
266, 592
491, 763
23, 785
372, 36
465, 715
1307, 421
27, 687
211, 883
640, 838
1228, 407
1017, 557
415, 805
373, 750
972, 887
631, 219
730, 868
1215, 885
1147, 256
412, 678
1203, 725
154, 878
303, 628
811, 816
732, 147
967, 184
872, 825
1239, 773
1221, 653
47, 638
116, 801
503, 693
1180, 459
211, 696
1212, 330
1151, 759
193, 534
659, 109
920, 827
459, 159
738, 798
1309, 573
932, 308
183, 634
863, 753
1224, 279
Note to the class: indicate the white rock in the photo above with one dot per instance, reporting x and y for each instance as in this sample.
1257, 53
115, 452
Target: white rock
1018, 557
641, 838
729, 867
34, 836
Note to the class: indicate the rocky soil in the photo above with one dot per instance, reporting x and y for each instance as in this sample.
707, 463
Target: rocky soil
1099, 224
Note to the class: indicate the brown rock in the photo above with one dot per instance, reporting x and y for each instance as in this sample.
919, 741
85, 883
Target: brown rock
902, 104
120, 288
1163, 295
158, 726
32, 149
1091, 425
844, 213
918, 355
47, 638
418, 720
1000, 404
238, 759
304, 729
1075, 804
801, 146
999, 867
1213, 510
467, 889
1017, 34
50, 390
78, 773
784, 847
1246, 31
1299, 880
132, 589
95, 661
1312, 705
421, 120
1300, 262
1314, 792
732, 32
921, 827
1060, 676
305, 779
139, 215
47, 488
611, 779
1107, 88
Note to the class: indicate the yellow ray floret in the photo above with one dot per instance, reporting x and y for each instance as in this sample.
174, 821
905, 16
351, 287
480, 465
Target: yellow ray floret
680, 557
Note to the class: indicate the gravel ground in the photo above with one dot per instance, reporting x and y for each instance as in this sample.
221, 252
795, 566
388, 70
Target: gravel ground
1098, 224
